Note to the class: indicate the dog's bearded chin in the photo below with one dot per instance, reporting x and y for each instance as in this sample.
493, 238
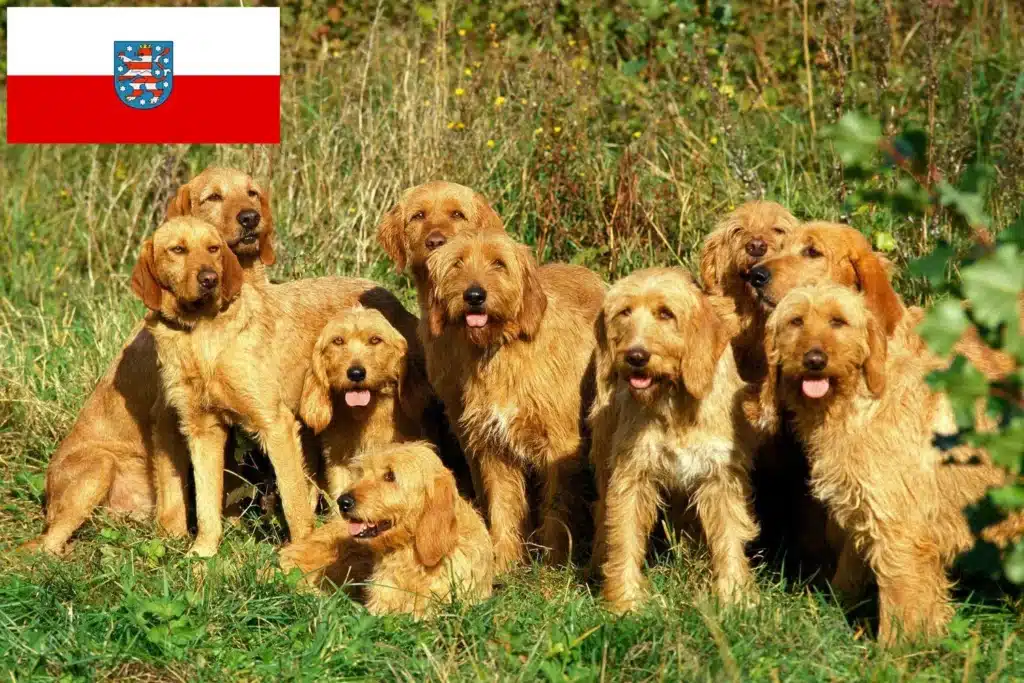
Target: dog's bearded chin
815, 387
357, 398
361, 529
476, 320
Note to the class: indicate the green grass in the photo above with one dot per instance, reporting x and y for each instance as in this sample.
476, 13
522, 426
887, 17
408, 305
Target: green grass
618, 143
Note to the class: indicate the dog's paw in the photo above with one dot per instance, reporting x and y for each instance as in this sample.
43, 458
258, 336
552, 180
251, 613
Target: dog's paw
204, 548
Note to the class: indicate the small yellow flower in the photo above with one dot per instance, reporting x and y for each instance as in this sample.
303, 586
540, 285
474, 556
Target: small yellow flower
637, 134
713, 140
499, 101
727, 90
477, 65
494, 43
490, 144
459, 92
462, 33
426, 102
538, 131
351, 209
557, 129
460, 125
494, 26
423, 60
451, 125
572, 42
732, 206
468, 71
686, 79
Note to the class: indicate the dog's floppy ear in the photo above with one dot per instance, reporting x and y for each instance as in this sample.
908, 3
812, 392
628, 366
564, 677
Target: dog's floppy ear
437, 530
181, 203
487, 219
873, 281
706, 341
714, 259
874, 366
267, 255
144, 281
535, 301
604, 364
315, 407
233, 277
391, 236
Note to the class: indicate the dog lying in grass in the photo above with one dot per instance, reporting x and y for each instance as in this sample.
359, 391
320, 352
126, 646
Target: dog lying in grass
365, 388
108, 456
667, 421
235, 353
509, 348
407, 541
865, 414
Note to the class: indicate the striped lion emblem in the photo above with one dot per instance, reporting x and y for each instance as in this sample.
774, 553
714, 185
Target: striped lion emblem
143, 72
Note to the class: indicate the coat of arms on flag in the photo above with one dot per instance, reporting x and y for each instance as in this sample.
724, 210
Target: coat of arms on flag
143, 72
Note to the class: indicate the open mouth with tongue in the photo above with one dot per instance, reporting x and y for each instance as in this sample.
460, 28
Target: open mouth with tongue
815, 387
362, 529
476, 319
357, 398
640, 381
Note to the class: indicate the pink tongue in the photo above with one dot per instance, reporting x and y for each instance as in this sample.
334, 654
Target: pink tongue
357, 398
815, 388
356, 528
640, 382
476, 319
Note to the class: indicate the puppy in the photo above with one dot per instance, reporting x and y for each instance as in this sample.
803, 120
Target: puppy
509, 349
667, 421
363, 390
864, 413
427, 216
753, 232
406, 536
108, 456
235, 353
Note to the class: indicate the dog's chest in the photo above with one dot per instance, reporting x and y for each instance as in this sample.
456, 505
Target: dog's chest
203, 367
684, 463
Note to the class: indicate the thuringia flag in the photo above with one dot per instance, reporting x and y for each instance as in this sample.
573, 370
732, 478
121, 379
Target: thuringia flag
178, 75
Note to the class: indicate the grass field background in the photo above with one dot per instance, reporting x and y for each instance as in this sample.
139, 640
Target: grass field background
608, 134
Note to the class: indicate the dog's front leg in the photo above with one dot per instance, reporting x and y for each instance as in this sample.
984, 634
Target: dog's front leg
206, 437
913, 590
170, 470
852, 574
629, 509
504, 489
723, 505
284, 448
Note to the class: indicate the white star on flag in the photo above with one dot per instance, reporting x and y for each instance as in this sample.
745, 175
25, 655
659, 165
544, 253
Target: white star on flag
129, 48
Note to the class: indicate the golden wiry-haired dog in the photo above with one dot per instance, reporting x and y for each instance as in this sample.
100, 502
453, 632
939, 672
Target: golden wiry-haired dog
107, 458
508, 347
407, 536
865, 414
235, 353
427, 216
364, 389
666, 421
746, 236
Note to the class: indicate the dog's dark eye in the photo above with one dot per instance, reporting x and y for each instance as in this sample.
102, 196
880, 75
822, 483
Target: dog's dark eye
213, 249
458, 215
837, 323
374, 340
499, 264
418, 216
778, 231
665, 314
797, 322
389, 476
178, 249
214, 198
338, 341
254, 193
811, 252
625, 312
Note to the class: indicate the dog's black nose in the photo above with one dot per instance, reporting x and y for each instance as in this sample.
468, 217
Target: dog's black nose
346, 502
475, 295
248, 219
207, 278
815, 360
435, 240
757, 247
638, 357
356, 373
760, 276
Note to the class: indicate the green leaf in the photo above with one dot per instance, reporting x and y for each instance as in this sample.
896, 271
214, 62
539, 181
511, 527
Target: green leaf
633, 67
933, 266
884, 241
943, 325
426, 14
1006, 446
964, 384
969, 204
993, 284
855, 138
1014, 563
1013, 233
1010, 497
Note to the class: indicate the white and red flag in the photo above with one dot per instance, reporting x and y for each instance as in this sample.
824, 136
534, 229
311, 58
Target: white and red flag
143, 75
